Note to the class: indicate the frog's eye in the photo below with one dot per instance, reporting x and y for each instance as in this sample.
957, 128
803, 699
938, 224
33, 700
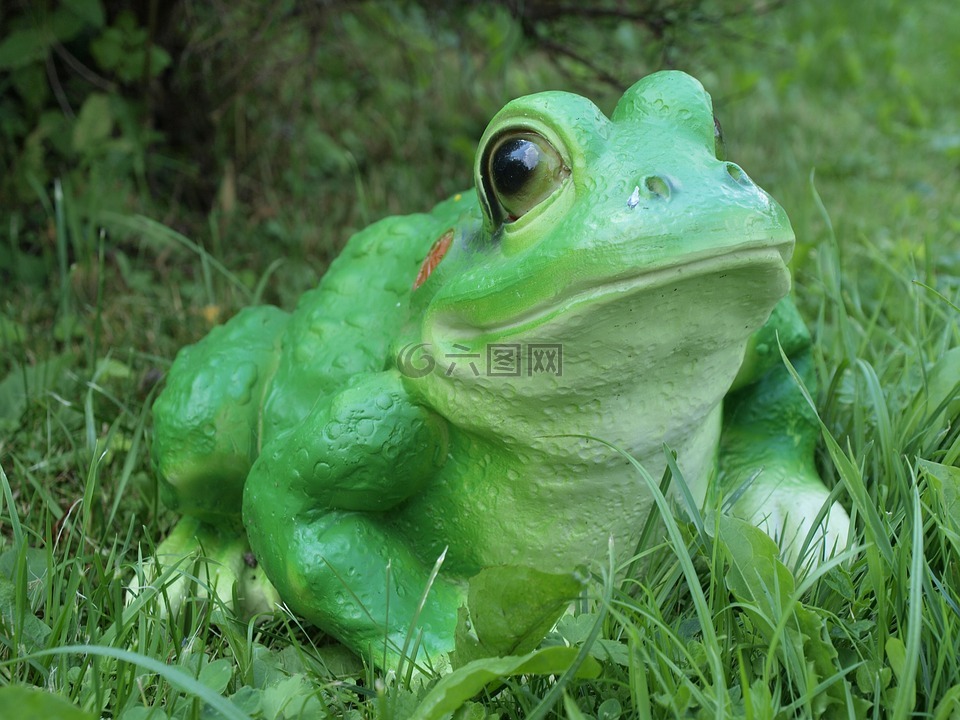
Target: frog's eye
522, 170
720, 149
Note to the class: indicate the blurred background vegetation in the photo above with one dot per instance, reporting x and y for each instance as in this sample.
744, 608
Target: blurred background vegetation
267, 132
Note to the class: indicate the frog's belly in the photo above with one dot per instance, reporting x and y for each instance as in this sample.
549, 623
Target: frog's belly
514, 509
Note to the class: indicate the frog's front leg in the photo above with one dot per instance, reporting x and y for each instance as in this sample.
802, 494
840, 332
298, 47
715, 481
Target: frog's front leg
768, 441
314, 508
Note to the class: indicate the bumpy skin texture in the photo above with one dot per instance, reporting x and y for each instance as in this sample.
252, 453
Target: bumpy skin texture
655, 269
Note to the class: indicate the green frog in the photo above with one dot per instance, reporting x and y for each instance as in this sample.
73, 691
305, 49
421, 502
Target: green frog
458, 392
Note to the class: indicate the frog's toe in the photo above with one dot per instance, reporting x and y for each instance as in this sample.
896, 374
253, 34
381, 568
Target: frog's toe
200, 562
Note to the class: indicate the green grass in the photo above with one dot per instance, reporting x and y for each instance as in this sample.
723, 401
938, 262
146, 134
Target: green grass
847, 113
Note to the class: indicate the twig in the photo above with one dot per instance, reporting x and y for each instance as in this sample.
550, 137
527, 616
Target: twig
58, 89
86, 73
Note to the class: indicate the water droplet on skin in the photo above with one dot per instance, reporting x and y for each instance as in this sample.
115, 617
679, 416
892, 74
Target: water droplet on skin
589, 184
634, 198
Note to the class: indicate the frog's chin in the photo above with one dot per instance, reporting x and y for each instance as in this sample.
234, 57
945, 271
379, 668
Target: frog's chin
770, 261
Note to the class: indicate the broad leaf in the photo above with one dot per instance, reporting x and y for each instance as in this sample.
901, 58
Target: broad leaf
94, 123
455, 689
91, 11
22, 47
944, 480
797, 635
34, 631
511, 609
29, 703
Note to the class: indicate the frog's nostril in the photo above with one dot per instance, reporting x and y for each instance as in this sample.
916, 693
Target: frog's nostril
655, 186
737, 173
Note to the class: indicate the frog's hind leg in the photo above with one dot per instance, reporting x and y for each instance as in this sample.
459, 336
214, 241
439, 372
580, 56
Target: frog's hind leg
767, 464
206, 421
206, 437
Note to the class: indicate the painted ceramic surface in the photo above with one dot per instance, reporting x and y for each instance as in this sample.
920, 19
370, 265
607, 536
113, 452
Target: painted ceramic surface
443, 392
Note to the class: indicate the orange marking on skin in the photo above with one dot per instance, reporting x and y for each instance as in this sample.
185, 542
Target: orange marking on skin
433, 258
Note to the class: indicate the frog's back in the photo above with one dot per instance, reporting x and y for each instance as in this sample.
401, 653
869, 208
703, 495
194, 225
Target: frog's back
345, 326
261, 372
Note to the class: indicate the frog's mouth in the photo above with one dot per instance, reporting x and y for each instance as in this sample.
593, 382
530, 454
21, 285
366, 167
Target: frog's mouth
769, 261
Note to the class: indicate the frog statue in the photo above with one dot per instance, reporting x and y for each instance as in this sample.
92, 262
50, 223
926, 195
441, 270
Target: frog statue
460, 391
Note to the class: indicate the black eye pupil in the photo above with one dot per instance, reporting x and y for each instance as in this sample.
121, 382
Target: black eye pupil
522, 170
513, 164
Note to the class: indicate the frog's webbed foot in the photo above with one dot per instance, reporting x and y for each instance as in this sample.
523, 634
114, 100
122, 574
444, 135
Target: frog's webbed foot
786, 504
200, 561
314, 509
767, 465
